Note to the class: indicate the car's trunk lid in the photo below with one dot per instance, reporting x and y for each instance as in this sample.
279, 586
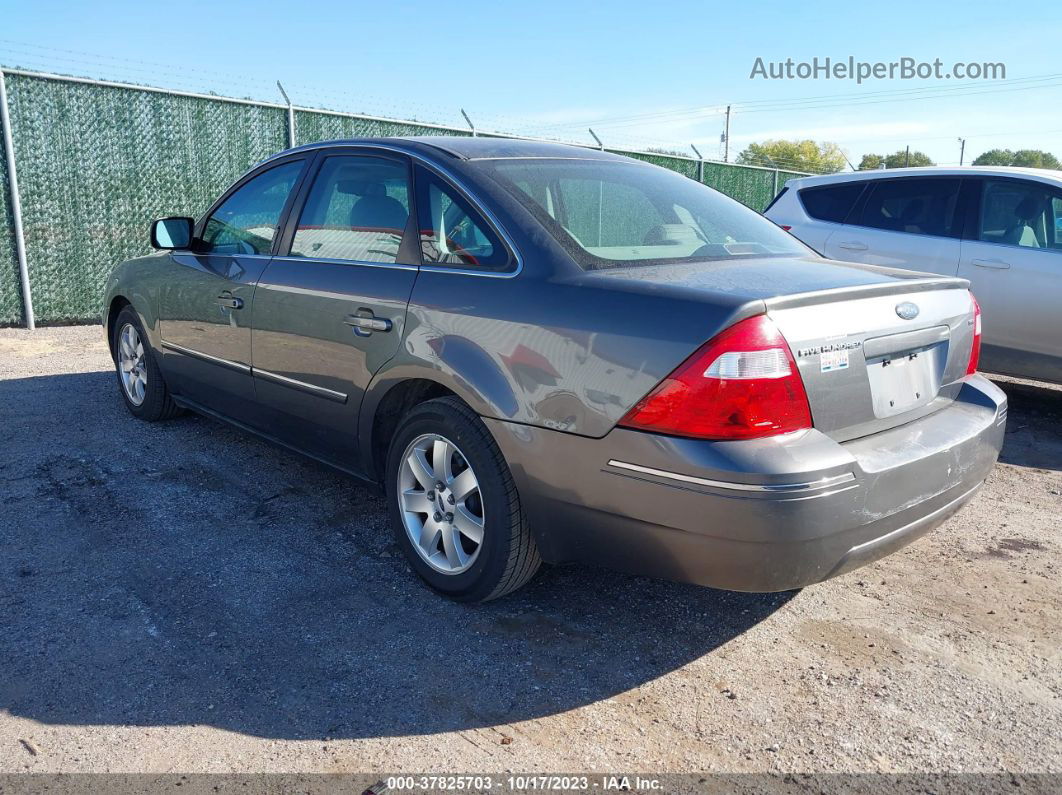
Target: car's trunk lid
875, 347
872, 358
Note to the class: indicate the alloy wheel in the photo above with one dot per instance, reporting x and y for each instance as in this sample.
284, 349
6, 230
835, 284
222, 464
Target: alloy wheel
441, 504
132, 365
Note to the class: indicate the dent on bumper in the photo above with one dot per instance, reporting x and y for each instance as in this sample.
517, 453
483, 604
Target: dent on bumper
761, 515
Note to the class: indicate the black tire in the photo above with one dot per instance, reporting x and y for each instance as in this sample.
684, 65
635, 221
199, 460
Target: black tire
508, 556
157, 404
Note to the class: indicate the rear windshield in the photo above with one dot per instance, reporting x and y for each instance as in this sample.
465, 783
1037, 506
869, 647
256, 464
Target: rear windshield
610, 214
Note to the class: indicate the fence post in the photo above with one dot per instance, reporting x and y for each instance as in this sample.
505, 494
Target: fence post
16, 207
700, 164
291, 117
471, 126
775, 184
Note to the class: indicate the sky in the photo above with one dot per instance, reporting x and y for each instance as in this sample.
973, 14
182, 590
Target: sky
641, 75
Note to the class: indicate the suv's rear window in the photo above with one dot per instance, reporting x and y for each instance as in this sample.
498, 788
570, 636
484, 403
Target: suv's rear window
608, 214
831, 202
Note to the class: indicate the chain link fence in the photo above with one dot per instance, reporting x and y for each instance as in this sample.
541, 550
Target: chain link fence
97, 162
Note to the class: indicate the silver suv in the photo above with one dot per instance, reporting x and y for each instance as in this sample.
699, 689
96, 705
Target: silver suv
1001, 228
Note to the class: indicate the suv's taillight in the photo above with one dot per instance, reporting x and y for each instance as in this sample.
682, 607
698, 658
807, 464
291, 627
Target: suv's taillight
741, 384
975, 350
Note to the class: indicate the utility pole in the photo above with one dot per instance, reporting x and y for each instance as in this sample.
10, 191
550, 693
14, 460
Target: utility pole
962, 149
907, 157
726, 137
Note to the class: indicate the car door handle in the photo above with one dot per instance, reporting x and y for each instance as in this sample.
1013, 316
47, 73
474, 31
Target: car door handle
228, 301
852, 245
366, 323
998, 264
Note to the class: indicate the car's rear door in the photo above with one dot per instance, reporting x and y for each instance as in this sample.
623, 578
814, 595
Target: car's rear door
331, 307
207, 301
1012, 255
906, 222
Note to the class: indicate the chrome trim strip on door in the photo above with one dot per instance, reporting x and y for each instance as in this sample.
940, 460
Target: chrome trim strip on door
206, 357
313, 389
333, 261
765, 488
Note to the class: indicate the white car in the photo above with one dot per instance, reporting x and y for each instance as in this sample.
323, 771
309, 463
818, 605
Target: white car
1001, 228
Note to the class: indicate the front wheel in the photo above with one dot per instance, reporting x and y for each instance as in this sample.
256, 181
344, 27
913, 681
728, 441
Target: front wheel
454, 506
139, 377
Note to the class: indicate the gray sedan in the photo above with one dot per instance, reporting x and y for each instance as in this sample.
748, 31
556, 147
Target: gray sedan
545, 353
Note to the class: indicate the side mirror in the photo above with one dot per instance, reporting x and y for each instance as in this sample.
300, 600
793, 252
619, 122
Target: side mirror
172, 233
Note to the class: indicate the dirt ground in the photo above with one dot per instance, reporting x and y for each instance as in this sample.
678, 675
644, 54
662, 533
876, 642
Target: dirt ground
180, 597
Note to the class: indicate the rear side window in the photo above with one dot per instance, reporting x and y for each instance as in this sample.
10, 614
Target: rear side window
1025, 214
916, 206
832, 202
357, 210
452, 232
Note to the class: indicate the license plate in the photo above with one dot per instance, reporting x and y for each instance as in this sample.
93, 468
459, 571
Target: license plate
904, 381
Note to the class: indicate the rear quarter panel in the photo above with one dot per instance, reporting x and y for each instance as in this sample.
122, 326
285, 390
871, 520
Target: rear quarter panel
550, 352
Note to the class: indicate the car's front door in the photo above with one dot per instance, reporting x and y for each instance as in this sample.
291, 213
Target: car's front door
330, 311
1013, 259
907, 222
207, 301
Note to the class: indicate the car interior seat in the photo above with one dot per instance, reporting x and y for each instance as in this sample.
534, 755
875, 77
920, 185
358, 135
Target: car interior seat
911, 215
1021, 233
376, 210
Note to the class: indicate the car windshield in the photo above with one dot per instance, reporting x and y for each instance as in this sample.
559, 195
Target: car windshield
611, 214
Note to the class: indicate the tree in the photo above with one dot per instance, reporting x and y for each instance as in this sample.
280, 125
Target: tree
807, 155
995, 157
895, 160
1027, 158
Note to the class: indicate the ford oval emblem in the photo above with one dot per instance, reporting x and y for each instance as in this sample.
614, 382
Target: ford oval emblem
907, 310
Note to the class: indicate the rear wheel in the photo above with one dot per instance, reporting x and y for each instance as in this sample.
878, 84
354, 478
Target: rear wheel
454, 506
139, 377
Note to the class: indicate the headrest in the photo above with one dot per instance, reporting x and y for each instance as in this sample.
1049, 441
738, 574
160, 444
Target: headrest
1029, 207
359, 187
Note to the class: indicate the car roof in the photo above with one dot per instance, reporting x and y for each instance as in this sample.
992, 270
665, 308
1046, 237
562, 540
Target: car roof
472, 148
1038, 174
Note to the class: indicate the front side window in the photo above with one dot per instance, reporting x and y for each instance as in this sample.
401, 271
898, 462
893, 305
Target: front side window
609, 214
357, 210
1024, 214
247, 221
832, 202
452, 232
919, 206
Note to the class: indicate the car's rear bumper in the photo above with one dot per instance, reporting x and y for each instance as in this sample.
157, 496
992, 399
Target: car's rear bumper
762, 515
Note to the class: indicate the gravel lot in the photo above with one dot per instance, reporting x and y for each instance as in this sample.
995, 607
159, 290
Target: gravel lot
180, 597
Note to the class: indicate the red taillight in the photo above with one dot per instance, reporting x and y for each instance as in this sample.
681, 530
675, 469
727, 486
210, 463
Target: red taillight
785, 227
975, 350
741, 384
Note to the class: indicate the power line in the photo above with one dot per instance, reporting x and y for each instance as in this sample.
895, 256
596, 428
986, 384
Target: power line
834, 100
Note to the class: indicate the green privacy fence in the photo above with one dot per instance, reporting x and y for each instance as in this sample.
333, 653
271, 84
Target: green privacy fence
96, 162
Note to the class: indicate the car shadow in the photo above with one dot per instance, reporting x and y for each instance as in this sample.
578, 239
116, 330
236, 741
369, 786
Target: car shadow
1034, 424
184, 573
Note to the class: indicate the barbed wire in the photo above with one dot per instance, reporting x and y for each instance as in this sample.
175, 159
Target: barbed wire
38, 57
